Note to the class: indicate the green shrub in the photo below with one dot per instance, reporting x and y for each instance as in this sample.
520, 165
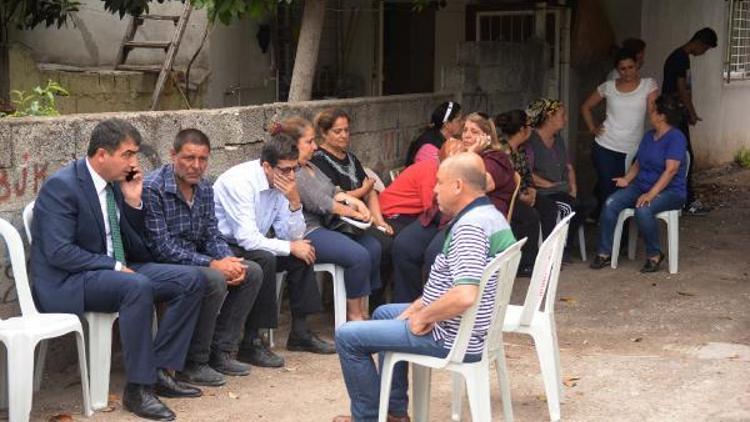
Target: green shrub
743, 157
39, 102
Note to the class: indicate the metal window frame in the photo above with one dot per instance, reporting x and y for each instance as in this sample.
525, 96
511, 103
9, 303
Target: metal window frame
732, 39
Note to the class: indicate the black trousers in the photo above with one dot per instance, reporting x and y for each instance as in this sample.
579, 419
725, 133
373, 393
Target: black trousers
583, 207
223, 312
685, 128
304, 297
133, 295
414, 251
525, 223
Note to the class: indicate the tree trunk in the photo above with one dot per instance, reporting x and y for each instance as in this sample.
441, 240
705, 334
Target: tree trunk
307, 50
4, 69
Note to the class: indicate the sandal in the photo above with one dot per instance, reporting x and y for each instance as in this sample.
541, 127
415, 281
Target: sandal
652, 265
600, 261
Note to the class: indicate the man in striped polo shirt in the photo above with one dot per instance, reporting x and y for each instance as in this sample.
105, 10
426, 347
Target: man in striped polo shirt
429, 325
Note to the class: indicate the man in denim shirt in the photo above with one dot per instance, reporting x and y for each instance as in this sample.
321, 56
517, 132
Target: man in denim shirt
181, 228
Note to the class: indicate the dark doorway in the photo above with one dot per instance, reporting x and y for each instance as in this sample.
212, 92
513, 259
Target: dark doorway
408, 49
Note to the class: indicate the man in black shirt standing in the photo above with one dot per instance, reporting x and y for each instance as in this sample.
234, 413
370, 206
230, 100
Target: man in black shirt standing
677, 83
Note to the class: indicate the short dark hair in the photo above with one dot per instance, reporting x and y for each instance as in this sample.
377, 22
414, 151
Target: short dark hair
624, 54
325, 120
510, 123
444, 113
706, 36
279, 147
636, 45
110, 133
190, 136
671, 108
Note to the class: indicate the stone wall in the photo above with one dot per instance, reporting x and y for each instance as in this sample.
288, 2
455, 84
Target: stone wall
33, 148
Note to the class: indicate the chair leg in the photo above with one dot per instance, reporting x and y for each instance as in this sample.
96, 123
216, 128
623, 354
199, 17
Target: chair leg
421, 392
386, 377
478, 389
100, 357
83, 365
21, 371
458, 393
41, 358
546, 349
3, 379
339, 297
616, 239
504, 381
582, 243
673, 234
632, 239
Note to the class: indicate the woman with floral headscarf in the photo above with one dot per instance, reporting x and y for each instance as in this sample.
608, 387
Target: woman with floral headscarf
552, 171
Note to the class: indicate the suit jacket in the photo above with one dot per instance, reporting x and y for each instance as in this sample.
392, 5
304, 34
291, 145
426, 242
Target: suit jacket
69, 238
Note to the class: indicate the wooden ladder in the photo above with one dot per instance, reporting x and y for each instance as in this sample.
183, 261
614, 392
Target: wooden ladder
169, 47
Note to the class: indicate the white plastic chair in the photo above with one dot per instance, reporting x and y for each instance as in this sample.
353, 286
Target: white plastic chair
339, 293
21, 335
539, 324
476, 374
671, 218
99, 326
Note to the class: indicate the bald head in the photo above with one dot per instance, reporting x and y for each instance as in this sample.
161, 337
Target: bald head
468, 167
460, 180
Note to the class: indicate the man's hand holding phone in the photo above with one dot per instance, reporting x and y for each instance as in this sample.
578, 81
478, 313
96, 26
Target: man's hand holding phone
132, 187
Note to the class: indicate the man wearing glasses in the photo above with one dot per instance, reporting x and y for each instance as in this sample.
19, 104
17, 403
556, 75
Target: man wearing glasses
251, 199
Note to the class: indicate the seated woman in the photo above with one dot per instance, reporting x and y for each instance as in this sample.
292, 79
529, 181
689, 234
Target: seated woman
654, 183
345, 171
552, 171
359, 255
445, 123
412, 193
514, 128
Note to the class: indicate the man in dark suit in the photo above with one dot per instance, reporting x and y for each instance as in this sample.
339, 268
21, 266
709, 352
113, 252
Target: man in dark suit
87, 255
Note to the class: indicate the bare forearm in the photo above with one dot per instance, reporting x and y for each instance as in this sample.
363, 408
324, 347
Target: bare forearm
455, 302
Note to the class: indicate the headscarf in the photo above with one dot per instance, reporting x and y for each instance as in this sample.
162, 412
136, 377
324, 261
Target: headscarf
540, 109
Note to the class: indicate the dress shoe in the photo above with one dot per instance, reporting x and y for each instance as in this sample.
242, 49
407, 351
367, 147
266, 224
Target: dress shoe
525, 271
224, 363
200, 374
258, 354
311, 344
167, 386
140, 400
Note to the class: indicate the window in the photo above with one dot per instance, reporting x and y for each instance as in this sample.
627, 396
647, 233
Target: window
505, 26
738, 52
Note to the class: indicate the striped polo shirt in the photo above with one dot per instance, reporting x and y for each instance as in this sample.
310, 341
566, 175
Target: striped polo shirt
477, 235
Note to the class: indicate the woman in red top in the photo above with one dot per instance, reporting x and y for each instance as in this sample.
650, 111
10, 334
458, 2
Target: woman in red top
411, 193
480, 136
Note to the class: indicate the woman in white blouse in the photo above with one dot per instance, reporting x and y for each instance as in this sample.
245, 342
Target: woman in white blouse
617, 138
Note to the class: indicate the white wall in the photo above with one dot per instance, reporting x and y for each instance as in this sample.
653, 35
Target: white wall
667, 24
93, 36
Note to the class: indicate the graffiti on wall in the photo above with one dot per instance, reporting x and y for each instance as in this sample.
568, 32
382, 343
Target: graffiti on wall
28, 179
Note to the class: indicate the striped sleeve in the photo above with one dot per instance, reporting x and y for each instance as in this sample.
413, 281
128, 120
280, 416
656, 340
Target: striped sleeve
467, 254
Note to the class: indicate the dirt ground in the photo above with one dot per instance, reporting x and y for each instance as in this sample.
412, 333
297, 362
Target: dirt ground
655, 347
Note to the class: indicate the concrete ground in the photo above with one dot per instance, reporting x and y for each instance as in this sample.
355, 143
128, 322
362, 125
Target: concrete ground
634, 347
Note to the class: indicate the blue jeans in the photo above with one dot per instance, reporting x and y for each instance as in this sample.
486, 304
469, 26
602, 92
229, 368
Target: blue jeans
359, 256
356, 341
644, 216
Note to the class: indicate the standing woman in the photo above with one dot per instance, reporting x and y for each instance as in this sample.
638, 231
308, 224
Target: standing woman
358, 255
655, 182
553, 173
445, 123
616, 140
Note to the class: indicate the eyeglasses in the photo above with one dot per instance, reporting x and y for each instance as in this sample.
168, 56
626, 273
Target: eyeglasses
287, 170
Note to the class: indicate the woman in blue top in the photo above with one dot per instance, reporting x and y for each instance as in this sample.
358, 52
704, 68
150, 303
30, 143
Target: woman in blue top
656, 182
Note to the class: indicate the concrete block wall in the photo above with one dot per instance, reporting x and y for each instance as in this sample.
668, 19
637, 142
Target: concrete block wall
31, 149
497, 76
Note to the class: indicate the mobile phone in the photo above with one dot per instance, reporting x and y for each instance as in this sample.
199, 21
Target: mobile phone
131, 175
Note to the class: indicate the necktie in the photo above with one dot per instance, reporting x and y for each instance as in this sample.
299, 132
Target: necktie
114, 226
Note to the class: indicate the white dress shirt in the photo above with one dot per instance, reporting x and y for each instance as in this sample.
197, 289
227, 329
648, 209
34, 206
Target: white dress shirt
101, 191
247, 207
